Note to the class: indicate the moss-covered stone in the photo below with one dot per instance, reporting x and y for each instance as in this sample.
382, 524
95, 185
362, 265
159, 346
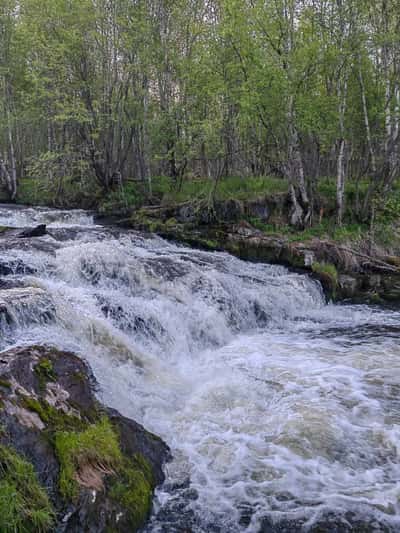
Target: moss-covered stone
5, 383
54, 419
98, 445
328, 276
132, 489
327, 270
100, 468
24, 504
45, 372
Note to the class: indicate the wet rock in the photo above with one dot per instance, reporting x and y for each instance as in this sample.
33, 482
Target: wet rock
9, 283
38, 231
15, 266
98, 468
349, 286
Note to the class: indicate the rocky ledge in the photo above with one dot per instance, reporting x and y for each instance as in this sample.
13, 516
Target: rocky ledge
358, 272
67, 463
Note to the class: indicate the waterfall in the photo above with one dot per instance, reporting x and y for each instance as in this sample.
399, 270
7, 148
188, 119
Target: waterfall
281, 410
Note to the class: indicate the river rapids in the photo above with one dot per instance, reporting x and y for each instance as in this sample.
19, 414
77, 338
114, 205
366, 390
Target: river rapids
282, 412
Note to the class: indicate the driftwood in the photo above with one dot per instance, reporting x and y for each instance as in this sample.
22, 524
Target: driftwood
383, 265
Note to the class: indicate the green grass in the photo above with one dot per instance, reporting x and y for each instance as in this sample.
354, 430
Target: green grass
97, 445
325, 230
33, 192
232, 187
327, 270
24, 504
328, 275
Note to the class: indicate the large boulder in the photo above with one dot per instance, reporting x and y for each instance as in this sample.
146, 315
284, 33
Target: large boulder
81, 466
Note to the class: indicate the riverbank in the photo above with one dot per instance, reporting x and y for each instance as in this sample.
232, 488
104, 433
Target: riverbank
250, 219
351, 264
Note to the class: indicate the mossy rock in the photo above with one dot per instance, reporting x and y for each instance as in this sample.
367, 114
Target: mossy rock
99, 468
328, 276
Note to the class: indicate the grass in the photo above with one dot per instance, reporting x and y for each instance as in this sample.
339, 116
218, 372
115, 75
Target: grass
232, 187
41, 192
325, 230
98, 445
24, 504
98, 448
328, 275
326, 269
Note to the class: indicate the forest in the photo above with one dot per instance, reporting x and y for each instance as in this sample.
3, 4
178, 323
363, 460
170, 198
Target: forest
200, 266
98, 95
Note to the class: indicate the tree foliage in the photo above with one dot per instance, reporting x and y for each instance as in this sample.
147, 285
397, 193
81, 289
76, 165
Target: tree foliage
107, 91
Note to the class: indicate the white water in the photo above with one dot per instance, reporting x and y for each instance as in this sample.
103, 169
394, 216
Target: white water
19, 217
282, 412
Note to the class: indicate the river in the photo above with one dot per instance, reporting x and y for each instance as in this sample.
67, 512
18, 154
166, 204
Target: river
282, 412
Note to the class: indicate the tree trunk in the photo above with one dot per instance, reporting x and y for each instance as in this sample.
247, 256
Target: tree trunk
341, 171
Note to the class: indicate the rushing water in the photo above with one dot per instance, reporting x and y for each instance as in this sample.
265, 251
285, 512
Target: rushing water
282, 412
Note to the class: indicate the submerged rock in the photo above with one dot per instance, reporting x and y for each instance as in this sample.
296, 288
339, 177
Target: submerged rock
38, 231
93, 469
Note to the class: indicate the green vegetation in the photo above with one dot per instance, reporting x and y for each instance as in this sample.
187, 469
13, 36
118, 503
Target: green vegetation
235, 187
97, 446
45, 372
215, 95
133, 489
55, 419
5, 383
325, 230
24, 505
327, 273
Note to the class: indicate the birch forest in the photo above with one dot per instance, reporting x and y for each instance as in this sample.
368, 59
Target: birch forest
100, 93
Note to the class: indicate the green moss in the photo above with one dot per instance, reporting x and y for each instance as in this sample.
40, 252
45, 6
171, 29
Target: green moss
55, 419
45, 372
5, 383
98, 444
24, 504
209, 243
80, 377
171, 222
328, 275
131, 480
326, 268
133, 488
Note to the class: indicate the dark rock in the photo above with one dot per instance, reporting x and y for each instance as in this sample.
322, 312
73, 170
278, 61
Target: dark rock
16, 266
229, 210
46, 396
7, 283
349, 286
38, 231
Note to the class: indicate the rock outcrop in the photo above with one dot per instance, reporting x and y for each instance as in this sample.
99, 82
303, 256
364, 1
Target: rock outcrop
352, 271
69, 464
